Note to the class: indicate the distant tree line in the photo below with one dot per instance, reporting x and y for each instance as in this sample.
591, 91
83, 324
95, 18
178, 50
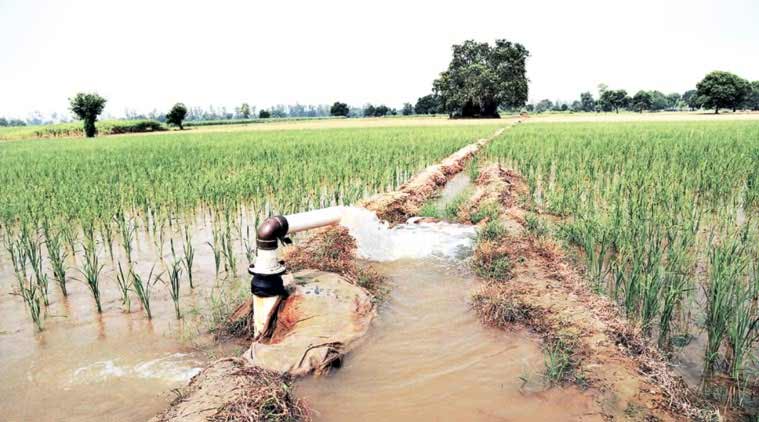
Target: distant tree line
717, 91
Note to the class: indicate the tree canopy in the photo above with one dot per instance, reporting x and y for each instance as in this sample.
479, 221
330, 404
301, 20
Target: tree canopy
87, 107
481, 78
613, 99
641, 101
339, 109
429, 104
176, 115
723, 90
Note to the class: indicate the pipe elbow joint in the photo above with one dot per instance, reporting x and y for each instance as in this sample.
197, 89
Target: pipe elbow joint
271, 231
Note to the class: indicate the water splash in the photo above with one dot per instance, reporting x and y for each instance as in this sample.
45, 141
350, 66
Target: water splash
377, 241
173, 368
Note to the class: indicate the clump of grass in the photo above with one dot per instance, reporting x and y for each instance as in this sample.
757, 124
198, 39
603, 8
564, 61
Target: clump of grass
557, 357
431, 210
535, 225
267, 396
491, 258
488, 211
492, 231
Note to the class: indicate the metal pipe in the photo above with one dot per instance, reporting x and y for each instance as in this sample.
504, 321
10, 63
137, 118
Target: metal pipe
267, 284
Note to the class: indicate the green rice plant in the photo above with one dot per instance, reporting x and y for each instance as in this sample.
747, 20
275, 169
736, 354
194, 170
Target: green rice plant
29, 291
57, 254
32, 250
124, 281
126, 228
727, 262
106, 233
175, 274
189, 254
216, 249
249, 246
743, 330
91, 267
142, 288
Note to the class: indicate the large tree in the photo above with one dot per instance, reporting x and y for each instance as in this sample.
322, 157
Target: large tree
753, 99
87, 107
429, 104
613, 99
176, 115
481, 78
543, 105
339, 109
723, 90
245, 111
691, 98
587, 101
641, 101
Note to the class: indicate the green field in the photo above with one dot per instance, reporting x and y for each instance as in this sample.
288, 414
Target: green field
75, 129
663, 216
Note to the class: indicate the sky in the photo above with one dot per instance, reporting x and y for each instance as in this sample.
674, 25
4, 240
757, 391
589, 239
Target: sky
149, 54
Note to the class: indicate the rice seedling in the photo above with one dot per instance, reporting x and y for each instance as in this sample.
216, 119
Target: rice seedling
124, 282
57, 254
216, 249
29, 291
127, 230
189, 254
175, 274
91, 267
32, 250
142, 288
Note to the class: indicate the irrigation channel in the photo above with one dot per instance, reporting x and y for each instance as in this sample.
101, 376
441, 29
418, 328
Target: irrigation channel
427, 355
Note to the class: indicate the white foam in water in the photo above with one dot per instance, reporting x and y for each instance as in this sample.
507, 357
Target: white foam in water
174, 368
377, 241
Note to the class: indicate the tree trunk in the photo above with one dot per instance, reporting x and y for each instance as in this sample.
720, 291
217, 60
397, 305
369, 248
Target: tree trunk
716, 110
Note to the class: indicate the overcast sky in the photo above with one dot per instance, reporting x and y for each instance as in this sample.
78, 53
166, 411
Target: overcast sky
149, 54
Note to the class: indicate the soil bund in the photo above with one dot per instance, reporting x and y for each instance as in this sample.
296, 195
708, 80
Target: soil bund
545, 293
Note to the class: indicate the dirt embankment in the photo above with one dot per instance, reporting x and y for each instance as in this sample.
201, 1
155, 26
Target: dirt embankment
545, 293
398, 206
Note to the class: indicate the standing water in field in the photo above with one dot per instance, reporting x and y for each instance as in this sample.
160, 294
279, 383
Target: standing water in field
428, 357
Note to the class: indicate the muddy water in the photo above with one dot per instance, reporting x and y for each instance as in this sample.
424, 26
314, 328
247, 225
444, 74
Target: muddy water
117, 366
428, 358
